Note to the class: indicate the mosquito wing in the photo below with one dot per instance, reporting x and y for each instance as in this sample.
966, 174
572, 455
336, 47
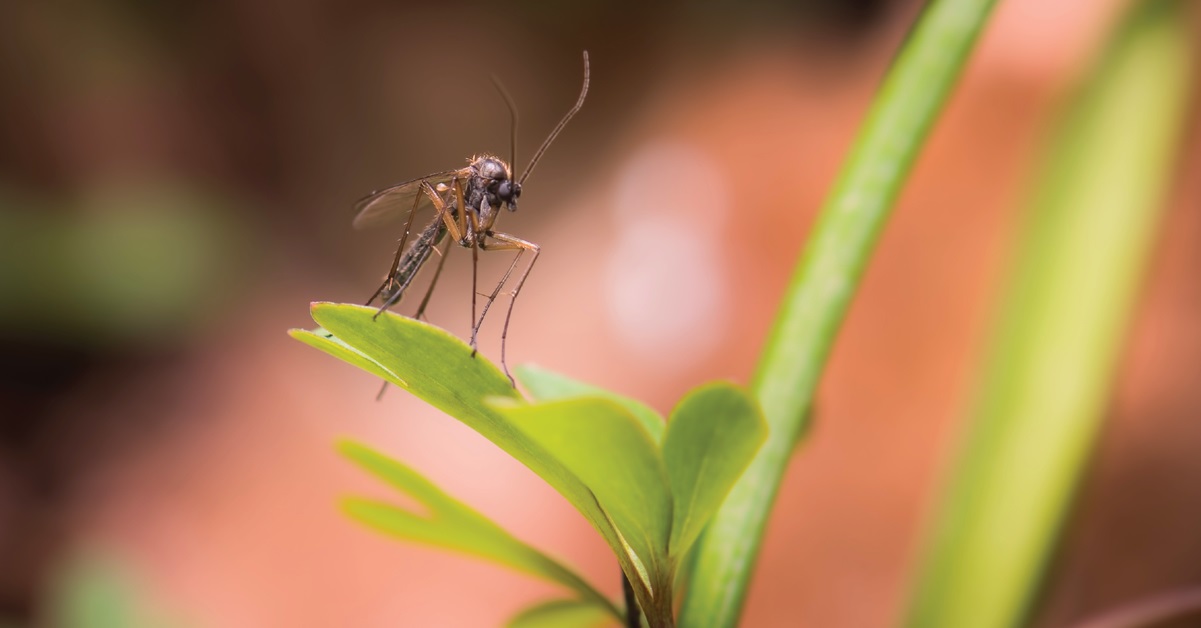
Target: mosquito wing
395, 201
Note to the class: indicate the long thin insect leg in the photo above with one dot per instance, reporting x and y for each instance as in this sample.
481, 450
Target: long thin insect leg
504, 333
429, 292
479, 322
470, 223
399, 250
508, 242
457, 232
416, 258
465, 231
475, 263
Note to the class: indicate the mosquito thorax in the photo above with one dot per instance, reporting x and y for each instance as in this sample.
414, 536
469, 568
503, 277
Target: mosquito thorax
491, 168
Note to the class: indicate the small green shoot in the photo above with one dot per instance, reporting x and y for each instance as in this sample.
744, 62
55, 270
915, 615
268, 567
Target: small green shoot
647, 489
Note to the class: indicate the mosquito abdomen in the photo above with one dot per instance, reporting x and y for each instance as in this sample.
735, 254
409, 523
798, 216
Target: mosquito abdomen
412, 261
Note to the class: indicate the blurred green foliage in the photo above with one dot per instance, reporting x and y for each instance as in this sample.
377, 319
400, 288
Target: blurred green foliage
1094, 218
98, 590
140, 264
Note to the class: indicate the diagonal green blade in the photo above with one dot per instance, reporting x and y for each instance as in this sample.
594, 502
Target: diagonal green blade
561, 614
1060, 336
452, 524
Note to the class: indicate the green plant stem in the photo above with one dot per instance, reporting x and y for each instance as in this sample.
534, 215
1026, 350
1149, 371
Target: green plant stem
1047, 383
818, 296
661, 612
633, 615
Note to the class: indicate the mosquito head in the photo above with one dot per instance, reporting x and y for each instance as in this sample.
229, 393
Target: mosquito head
509, 191
498, 180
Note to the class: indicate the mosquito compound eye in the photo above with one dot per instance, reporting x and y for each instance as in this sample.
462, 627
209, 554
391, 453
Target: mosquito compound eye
515, 193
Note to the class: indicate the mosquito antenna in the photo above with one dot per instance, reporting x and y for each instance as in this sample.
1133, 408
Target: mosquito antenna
562, 123
504, 93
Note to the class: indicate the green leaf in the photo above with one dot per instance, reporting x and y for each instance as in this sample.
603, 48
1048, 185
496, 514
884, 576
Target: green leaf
439, 368
546, 385
430, 362
451, 524
820, 291
560, 614
604, 445
1047, 386
98, 590
712, 436
323, 340
97, 595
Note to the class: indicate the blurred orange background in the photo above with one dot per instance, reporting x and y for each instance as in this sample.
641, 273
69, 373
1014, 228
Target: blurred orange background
175, 188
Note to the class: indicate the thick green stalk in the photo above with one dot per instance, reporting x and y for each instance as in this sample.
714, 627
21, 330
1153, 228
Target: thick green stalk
816, 302
1047, 384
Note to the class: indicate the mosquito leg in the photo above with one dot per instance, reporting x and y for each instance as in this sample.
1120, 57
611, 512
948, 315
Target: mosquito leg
504, 333
399, 250
392, 299
469, 221
442, 208
429, 292
475, 263
479, 322
505, 241
454, 224
387, 280
464, 233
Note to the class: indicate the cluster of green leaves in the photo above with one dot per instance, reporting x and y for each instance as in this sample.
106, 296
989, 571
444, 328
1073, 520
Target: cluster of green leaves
647, 487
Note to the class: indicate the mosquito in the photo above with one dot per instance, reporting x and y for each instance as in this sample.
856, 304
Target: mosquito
483, 187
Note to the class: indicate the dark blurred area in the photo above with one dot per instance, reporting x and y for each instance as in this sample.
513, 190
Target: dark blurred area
176, 182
